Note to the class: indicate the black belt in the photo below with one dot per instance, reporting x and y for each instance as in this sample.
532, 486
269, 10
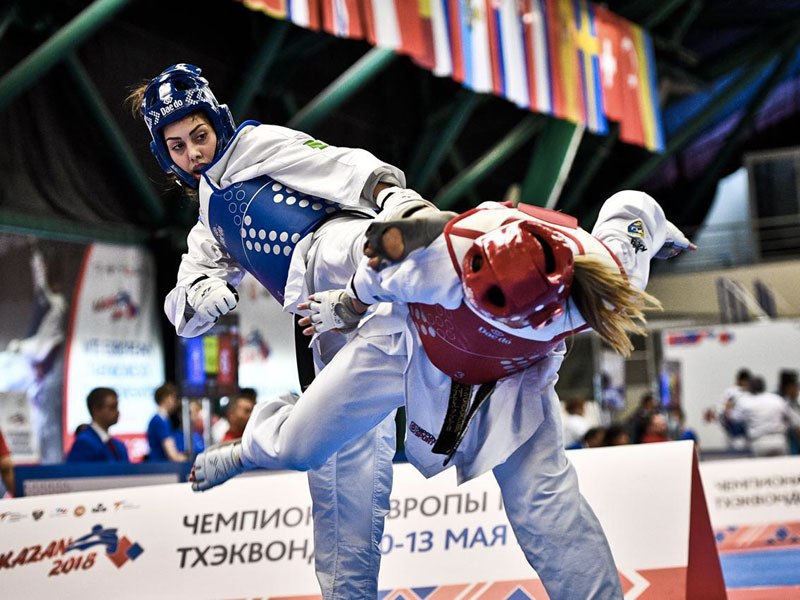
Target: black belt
459, 415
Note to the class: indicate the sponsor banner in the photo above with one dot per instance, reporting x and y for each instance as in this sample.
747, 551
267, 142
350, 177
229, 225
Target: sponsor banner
17, 427
252, 537
754, 503
266, 346
114, 342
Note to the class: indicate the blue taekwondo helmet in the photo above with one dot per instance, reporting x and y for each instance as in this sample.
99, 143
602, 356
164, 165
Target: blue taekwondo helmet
177, 92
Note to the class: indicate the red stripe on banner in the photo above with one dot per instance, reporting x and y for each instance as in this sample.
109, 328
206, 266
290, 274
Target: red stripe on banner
664, 583
492, 25
369, 21
456, 43
356, 27
410, 28
765, 593
315, 14
704, 574
73, 311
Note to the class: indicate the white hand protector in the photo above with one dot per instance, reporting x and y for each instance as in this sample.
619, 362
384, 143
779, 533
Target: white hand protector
212, 297
674, 244
333, 310
216, 465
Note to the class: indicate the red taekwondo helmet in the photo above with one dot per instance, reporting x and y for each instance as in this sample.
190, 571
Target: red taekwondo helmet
519, 274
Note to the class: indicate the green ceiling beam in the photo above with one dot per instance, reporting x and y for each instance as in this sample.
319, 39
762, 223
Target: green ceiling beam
695, 125
436, 142
56, 48
69, 231
571, 201
343, 88
660, 13
487, 163
551, 162
759, 45
115, 139
733, 142
688, 18
8, 17
254, 76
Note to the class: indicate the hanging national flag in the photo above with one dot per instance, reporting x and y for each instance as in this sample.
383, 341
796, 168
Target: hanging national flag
427, 58
477, 63
381, 24
305, 13
608, 34
495, 46
588, 47
512, 46
537, 59
648, 90
456, 16
630, 126
342, 18
565, 77
441, 40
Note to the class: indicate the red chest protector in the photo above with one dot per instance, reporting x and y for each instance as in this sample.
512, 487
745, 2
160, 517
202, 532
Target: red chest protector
465, 345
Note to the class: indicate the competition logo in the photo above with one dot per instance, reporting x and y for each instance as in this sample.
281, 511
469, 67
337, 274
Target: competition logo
119, 550
121, 306
70, 555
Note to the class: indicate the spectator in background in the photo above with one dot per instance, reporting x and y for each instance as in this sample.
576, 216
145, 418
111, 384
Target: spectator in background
160, 428
728, 415
593, 438
575, 424
767, 419
612, 399
790, 390
675, 425
238, 412
94, 443
6, 466
617, 435
196, 428
641, 417
656, 429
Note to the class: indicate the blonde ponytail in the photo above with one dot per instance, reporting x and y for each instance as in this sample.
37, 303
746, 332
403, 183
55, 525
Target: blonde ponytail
609, 303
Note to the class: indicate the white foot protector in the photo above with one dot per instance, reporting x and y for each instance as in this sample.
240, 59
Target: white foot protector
217, 464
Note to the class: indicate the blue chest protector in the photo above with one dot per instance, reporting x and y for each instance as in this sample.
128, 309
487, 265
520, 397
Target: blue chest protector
259, 223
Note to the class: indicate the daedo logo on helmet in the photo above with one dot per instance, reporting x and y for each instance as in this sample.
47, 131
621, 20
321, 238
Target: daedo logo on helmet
165, 110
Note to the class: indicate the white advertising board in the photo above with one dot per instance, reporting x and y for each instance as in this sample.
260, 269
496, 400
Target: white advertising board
251, 538
114, 341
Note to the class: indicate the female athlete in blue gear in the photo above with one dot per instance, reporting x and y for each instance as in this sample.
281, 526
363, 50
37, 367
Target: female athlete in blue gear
292, 211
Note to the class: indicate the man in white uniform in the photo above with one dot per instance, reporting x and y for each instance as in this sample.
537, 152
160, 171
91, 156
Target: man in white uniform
517, 432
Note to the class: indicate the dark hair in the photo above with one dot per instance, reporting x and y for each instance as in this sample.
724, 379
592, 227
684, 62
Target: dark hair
788, 377
573, 404
744, 374
594, 431
97, 398
249, 393
168, 389
757, 385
